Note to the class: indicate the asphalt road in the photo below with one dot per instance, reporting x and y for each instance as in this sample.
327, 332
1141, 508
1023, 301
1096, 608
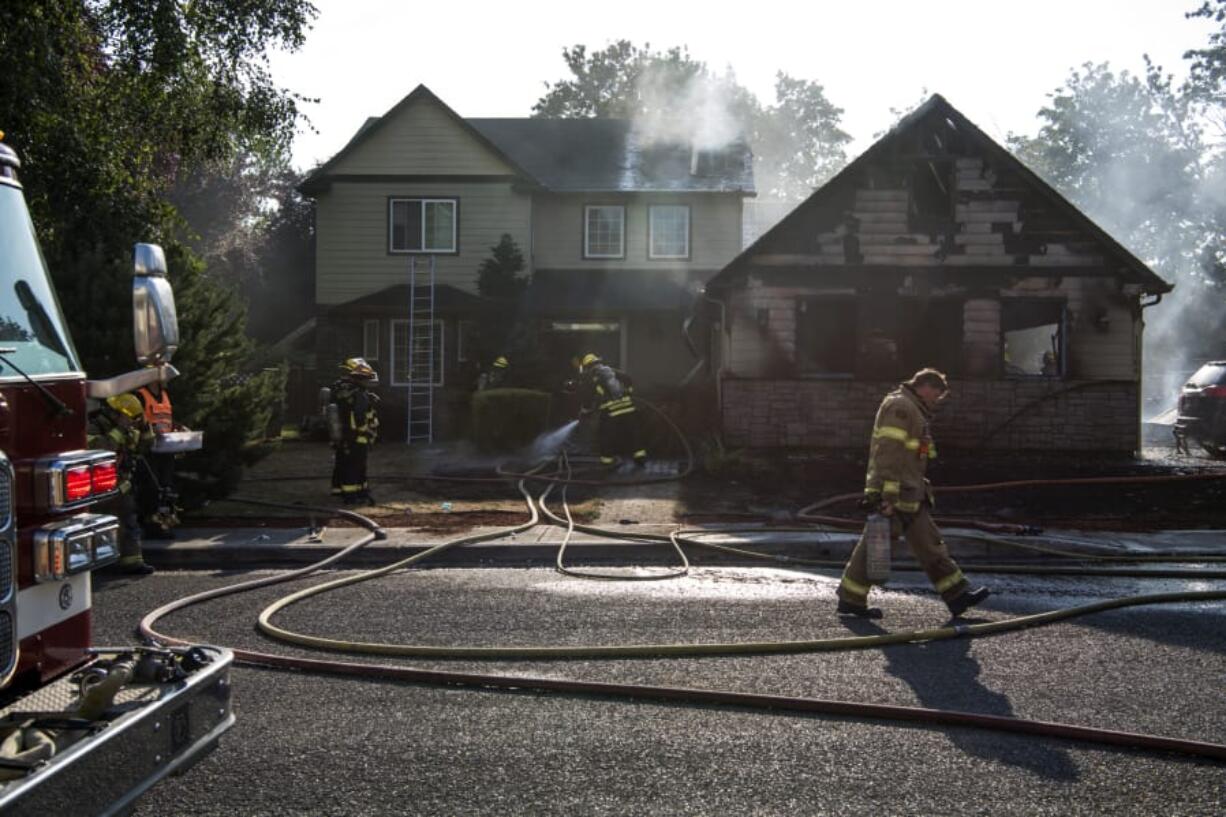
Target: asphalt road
315, 745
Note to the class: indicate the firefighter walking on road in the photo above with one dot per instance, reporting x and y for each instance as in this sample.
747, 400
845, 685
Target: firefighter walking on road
611, 393
357, 412
895, 486
119, 426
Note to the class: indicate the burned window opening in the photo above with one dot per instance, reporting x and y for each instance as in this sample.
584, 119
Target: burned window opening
826, 336
1032, 338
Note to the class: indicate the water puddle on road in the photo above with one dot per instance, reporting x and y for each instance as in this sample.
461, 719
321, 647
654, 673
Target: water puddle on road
714, 583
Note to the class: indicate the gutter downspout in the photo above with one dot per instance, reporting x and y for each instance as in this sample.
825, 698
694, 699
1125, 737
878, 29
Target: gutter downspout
719, 370
1140, 354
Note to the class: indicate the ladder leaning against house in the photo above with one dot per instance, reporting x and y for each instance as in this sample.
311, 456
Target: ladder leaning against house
419, 401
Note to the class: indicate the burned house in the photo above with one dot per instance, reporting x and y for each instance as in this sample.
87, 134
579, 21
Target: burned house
936, 247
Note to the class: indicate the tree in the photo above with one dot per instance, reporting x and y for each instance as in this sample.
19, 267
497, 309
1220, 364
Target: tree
1129, 152
797, 141
1207, 71
112, 102
498, 276
1125, 150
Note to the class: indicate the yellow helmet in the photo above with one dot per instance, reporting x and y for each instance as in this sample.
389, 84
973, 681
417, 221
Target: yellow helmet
501, 362
588, 360
128, 405
356, 368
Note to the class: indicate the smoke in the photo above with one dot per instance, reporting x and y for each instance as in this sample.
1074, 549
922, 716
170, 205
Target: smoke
678, 109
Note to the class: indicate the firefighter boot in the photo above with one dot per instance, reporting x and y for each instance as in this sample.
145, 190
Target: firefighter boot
966, 600
846, 608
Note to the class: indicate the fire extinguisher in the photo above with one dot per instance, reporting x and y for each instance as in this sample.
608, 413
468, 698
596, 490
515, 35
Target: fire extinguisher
877, 548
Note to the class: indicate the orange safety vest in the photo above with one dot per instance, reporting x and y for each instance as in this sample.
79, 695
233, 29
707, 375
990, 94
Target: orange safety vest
158, 413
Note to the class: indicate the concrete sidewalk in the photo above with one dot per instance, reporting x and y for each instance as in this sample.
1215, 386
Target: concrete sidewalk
245, 548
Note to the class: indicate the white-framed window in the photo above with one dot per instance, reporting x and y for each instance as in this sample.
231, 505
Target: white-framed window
668, 231
370, 339
403, 358
604, 231
423, 225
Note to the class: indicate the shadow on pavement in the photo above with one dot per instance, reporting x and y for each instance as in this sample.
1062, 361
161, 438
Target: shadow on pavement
944, 675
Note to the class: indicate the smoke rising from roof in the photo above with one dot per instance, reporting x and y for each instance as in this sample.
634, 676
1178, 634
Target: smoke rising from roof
696, 110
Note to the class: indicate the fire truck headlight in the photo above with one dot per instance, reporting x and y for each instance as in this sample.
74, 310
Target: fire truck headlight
48, 557
79, 543
106, 546
79, 552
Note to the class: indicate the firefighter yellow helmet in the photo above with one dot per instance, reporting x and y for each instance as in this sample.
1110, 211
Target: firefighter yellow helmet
128, 405
501, 362
356, 368
588, 360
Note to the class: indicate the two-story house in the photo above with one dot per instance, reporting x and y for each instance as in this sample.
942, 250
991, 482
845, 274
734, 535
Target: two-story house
619, 235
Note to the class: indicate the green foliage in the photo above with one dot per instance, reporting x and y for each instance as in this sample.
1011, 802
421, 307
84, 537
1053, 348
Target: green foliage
1207, 71
797, 141
111, 105
217, 392
1126, 151
498, 276
505, 419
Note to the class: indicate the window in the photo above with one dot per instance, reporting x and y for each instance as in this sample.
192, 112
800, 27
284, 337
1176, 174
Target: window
422, 225
402, 361
370, 340
1033, 333
668, 231
826, 336
564, 342
604, 231
466, 338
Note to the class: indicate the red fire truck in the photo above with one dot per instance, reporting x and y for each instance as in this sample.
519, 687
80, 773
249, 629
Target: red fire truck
83, 730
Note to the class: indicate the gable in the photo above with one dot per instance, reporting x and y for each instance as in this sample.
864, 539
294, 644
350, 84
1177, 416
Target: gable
936, 193
420, 138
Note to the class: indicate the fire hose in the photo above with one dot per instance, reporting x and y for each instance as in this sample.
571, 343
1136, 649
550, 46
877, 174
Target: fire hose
688, 695
537, 507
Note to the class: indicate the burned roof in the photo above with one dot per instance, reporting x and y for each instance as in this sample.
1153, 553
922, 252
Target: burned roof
937, 194
581, 155
607, 155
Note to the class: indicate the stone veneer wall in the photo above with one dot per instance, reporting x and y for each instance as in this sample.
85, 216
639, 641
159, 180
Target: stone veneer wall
1075, 416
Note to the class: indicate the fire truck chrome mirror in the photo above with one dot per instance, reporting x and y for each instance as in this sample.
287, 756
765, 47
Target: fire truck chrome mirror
148, 259
155, 323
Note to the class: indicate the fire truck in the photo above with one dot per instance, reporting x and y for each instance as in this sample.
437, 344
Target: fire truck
83, 730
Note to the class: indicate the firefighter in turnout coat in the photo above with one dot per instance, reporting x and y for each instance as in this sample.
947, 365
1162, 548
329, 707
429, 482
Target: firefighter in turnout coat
119, 426
610, 392
895, 486
357, 409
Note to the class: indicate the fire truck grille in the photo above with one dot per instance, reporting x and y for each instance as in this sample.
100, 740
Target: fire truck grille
6, 569
8, 642
6, 497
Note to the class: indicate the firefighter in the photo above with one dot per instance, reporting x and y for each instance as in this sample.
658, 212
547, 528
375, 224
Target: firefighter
895, 486
357, 410
497, 377
155, 478
610, 392
119, 426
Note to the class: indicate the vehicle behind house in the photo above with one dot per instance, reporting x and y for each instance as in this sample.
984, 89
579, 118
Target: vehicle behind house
1202, 409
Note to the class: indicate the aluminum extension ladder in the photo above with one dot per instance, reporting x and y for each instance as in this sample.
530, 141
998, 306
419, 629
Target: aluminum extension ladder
419, 402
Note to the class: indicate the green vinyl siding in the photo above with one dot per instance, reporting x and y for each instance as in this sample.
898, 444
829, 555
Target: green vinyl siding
422, 139
352, 242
